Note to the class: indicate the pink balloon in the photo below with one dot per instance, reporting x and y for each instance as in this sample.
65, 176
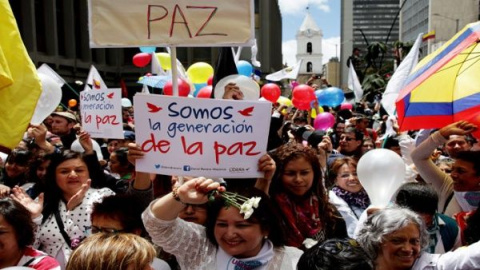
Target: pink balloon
323, 121
205, 92
270, 92
294, 84
141, 59
346, 106
183, 88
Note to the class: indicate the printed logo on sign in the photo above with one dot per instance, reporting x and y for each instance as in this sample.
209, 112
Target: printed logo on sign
237, 170
186, 168
157, 166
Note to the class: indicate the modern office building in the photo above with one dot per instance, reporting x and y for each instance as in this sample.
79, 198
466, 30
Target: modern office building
442, 16
331, 71
364, 22
56, 32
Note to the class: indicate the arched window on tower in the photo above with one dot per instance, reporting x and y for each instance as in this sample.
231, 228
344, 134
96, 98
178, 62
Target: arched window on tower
309, 48
309, 67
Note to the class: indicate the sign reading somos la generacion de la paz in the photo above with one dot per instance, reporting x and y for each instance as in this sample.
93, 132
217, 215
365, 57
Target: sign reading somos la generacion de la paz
201, 137
102, 113
126, 23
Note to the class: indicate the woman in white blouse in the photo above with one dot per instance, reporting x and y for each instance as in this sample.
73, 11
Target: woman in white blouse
64, 215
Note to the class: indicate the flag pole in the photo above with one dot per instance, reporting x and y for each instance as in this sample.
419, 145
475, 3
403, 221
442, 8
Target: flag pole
173, 59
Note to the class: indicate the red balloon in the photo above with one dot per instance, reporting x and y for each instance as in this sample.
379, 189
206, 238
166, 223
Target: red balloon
141, 59
210, 80
183, 88
300, 104
304, 93
270, 92
205, 92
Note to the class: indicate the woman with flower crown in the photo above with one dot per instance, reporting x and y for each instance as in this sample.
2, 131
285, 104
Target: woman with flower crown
241, 231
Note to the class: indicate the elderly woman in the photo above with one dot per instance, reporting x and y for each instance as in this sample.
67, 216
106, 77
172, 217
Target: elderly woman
16, 237
396, 237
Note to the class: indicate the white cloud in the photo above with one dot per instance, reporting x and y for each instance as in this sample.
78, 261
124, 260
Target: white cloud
295, 6
289, 50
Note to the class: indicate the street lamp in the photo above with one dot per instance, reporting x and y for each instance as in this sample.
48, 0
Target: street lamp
450, 18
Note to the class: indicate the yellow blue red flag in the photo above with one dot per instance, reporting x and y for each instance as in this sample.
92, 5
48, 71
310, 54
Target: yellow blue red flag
21, 85
445, 86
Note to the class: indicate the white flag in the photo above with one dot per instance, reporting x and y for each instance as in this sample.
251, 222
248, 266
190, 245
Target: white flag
157, 67
286, 73
354, 84
181, 73
95, 80
397, 81
145, 89
254, 60
48, 71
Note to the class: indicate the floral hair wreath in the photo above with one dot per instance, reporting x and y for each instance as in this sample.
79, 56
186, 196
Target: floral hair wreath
242, 203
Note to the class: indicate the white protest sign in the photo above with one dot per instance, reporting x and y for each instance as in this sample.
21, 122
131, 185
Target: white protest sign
102, 113
201, 137
126, 23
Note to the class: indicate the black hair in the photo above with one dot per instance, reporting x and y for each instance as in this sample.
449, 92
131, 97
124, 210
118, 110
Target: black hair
53, 194
471, 157
472, 231
127, 209
19, 156
418, 197
358, 133
335, 254
265, 215
122, 154
390, 141
20, 219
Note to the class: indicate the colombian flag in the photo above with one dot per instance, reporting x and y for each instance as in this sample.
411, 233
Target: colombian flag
20, 87
429, 35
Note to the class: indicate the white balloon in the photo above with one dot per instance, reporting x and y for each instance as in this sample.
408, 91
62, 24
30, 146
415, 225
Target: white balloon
77, 147
249, 88
381, 172
48, 101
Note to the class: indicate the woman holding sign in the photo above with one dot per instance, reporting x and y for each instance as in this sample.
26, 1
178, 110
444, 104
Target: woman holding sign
241, 231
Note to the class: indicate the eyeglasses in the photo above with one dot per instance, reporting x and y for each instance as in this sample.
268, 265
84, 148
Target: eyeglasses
346, 138
96, 229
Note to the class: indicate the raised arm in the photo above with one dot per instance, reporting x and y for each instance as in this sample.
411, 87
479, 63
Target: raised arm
267, 165
194, 191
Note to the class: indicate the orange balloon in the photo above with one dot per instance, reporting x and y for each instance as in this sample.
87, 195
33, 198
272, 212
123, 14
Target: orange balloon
72, 102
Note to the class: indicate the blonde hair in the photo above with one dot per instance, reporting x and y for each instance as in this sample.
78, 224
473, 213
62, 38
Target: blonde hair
103, 251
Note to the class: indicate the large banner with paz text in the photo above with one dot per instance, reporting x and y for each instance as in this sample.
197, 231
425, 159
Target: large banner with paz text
201, 137
126, 23
102, 113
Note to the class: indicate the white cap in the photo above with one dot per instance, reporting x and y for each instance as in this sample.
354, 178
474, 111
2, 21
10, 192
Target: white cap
126, 103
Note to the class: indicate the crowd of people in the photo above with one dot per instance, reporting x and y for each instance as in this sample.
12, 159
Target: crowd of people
68, 201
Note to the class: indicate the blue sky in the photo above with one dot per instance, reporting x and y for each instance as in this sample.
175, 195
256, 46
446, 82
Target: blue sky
326, 14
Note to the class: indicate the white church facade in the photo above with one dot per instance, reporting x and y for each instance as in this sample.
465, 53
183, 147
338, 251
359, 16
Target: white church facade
309, 48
